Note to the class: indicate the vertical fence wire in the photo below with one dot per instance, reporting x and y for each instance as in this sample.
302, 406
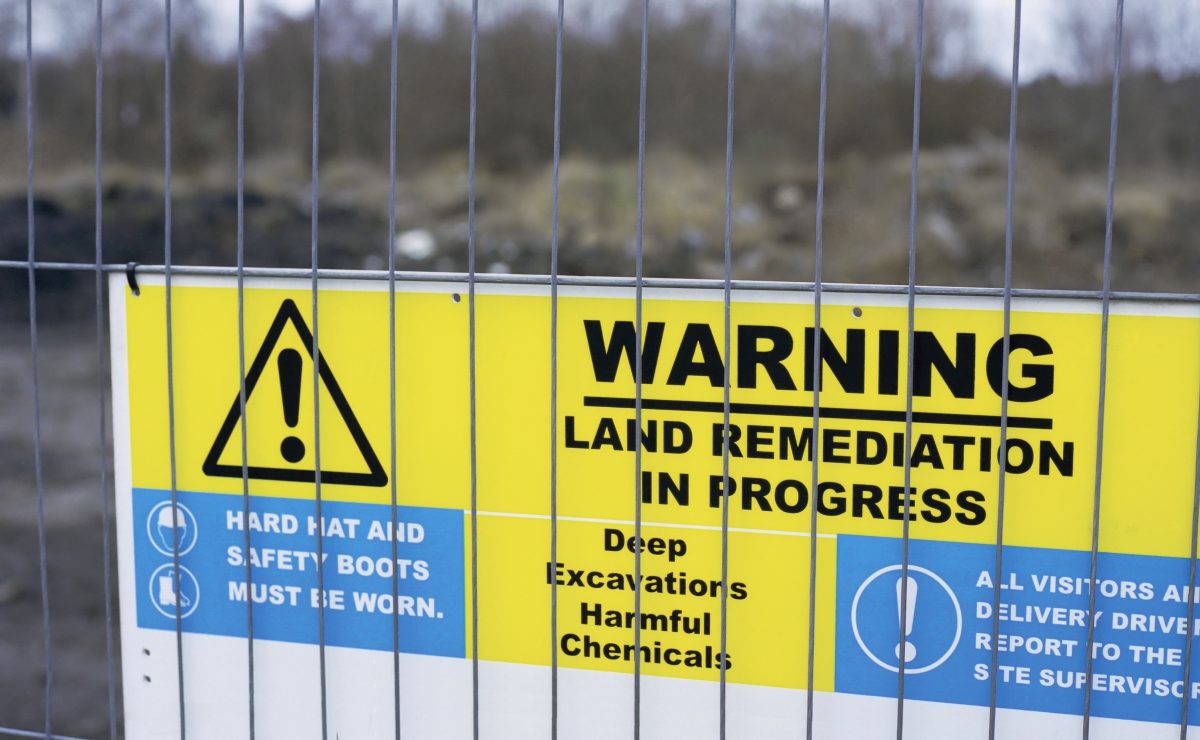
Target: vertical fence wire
471, 193
1106, 298
554, 193
918, 64
639, 278
170, 338
993, 684
1190, 595
1189, 644
101, 375
39, 485
727, 288
818, 273
316, 356
390, 245
241, 331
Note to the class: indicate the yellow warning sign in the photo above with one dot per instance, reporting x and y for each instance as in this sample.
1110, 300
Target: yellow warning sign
671, 560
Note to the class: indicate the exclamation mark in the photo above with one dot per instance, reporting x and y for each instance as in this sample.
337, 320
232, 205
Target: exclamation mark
291, 368
909, 609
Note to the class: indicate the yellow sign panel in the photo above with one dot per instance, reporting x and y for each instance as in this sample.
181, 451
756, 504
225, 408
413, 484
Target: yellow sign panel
669, 547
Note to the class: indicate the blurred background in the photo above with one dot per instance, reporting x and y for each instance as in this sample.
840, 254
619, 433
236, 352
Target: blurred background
1063, 129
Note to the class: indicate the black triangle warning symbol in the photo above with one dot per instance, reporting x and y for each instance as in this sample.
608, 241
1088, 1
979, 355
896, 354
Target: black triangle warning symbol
373, 476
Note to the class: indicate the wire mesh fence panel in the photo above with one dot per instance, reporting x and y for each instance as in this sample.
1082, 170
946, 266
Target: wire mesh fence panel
483, 372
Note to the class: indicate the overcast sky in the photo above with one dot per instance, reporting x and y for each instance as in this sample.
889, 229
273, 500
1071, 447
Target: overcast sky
991, 22
1172, 26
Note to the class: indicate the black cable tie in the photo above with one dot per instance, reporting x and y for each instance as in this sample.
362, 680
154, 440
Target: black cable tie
131, 277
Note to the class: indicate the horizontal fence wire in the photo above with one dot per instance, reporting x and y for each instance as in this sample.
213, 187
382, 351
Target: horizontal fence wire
12, 732
594, 281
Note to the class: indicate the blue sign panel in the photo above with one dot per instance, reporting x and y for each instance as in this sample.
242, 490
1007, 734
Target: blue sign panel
1140, 617
218, 574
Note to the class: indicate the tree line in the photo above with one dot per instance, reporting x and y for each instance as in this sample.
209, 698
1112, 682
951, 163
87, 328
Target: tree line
870, 88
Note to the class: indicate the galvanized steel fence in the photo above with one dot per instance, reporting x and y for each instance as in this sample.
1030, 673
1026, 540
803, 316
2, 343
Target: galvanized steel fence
554, 280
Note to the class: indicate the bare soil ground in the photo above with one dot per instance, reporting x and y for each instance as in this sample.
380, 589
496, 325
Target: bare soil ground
72, 461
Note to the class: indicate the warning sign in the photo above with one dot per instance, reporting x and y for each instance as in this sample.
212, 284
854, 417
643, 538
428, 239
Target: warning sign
366, 578
293, 461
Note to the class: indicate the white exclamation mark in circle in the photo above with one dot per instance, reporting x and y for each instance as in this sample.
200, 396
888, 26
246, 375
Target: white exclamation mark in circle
908, 649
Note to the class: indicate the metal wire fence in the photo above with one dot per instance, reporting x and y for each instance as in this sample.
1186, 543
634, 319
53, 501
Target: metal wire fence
316, 274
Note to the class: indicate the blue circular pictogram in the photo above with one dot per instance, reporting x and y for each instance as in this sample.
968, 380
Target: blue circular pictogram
164, 524
931, 614
170, 597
